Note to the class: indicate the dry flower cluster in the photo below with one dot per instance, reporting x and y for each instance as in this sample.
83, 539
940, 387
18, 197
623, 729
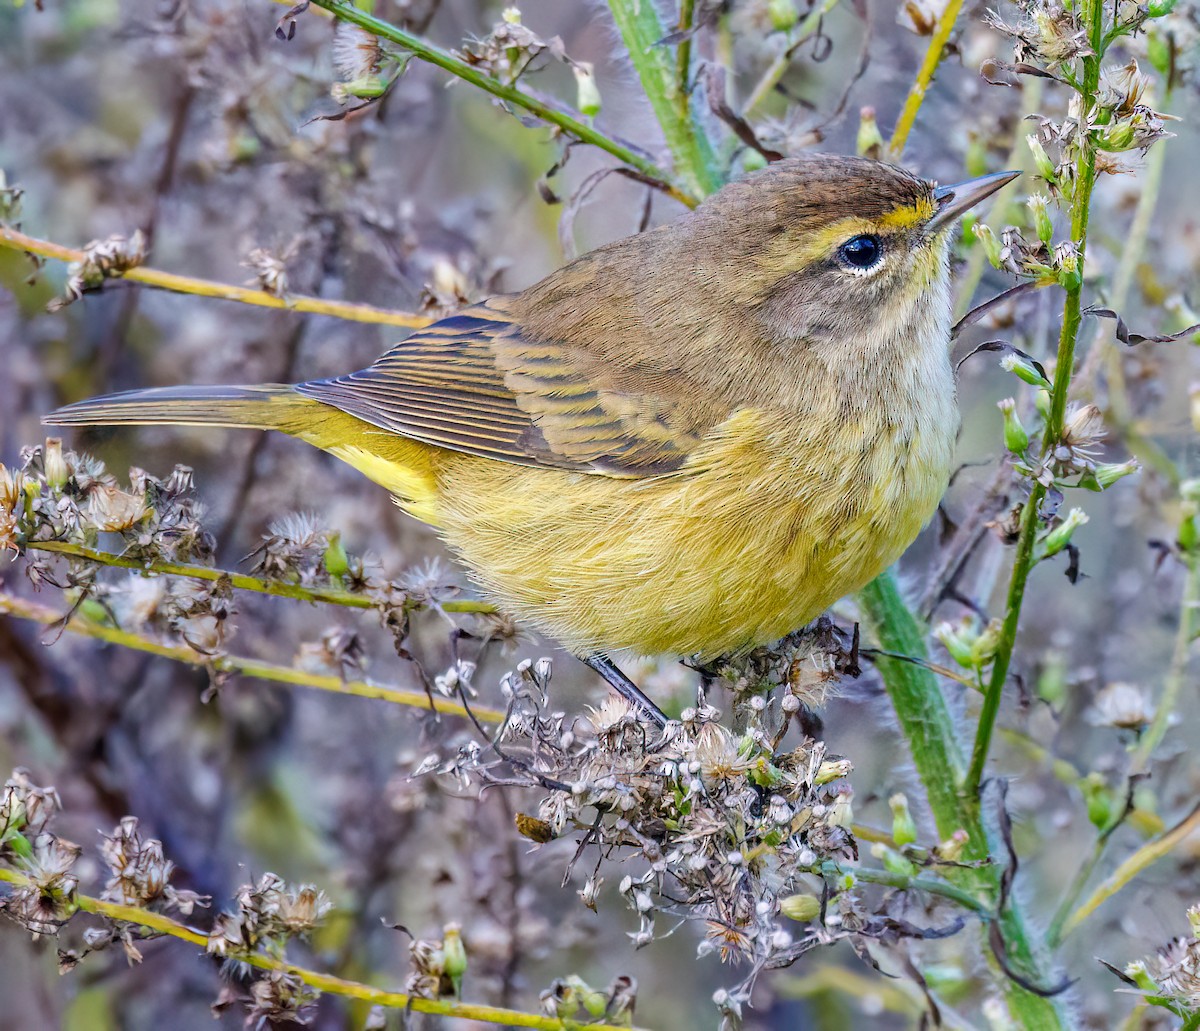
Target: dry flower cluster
1170, 979
732, 830
44, 899
61, 497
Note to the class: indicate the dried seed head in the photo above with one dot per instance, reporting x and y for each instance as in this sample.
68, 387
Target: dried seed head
1121, 705
591, 888
140, 871
270, 271
111, 509
719, 755
1176, 970
356, 53
24, 807
103, 259
612, 715
47, 900
54, 465
279, 997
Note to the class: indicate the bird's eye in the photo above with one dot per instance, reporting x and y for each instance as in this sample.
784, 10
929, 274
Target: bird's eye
861, 252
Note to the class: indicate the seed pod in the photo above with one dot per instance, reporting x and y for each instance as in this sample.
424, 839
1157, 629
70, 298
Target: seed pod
455, 962
1016, 437
1060, 536
870, 141
1041, 159
802, 908
1108, 473
1023, 369
991, 245
54, 464
1039, 209
587, 93
904, 827
337, 564
783, 14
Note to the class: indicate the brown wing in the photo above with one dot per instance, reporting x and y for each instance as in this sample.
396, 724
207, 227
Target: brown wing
473, 383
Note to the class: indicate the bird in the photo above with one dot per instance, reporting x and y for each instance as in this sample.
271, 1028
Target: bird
690, 441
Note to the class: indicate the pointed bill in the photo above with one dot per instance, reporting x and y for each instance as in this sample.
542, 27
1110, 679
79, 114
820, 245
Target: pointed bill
952, 201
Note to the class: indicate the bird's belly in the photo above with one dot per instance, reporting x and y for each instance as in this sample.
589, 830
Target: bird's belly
708, 563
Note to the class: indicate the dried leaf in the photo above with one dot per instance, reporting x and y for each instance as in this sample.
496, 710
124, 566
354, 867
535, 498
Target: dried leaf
1131, 339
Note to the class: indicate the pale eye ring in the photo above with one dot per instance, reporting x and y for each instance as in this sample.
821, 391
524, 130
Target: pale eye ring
861, 253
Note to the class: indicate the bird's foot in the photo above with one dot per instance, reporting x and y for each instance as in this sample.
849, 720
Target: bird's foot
626, 688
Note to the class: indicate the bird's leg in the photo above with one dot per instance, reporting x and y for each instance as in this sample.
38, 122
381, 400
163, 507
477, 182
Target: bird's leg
625, 687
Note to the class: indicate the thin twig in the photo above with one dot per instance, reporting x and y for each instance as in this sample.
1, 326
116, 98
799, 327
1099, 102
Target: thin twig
916, 94
445, 60
1054, 932
15, 240
1176, 672
1106, 351
240, 581
76, 624
1144, 821
904, 882
116, 333
1149, 853
328, 983
778, 68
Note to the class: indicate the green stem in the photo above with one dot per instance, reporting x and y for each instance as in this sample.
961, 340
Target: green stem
683, 60
1064, 365
240, 581
1054, 933
1145, 822
1150, 740
640, 28
931, 731
1022, 565
903, 882
511, 94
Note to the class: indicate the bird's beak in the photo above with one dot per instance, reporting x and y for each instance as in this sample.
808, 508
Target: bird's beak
952, 201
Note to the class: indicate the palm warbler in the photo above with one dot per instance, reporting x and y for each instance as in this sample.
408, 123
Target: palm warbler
693, 440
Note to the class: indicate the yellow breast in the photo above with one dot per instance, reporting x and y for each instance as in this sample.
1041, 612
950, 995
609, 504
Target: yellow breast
763, 531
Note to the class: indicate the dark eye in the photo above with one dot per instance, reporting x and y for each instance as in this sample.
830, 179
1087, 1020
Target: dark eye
861, 252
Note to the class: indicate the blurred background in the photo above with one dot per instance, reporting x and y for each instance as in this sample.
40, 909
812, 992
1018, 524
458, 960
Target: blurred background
194, 123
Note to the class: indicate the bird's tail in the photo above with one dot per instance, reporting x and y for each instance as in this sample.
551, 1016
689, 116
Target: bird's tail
403, 466
270, 406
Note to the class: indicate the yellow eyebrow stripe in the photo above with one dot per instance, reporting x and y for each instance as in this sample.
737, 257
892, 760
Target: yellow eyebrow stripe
907, 215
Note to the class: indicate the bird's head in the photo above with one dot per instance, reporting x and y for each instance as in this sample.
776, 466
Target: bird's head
834, 248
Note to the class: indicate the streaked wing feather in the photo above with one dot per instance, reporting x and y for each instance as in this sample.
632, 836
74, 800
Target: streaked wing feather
473, 383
